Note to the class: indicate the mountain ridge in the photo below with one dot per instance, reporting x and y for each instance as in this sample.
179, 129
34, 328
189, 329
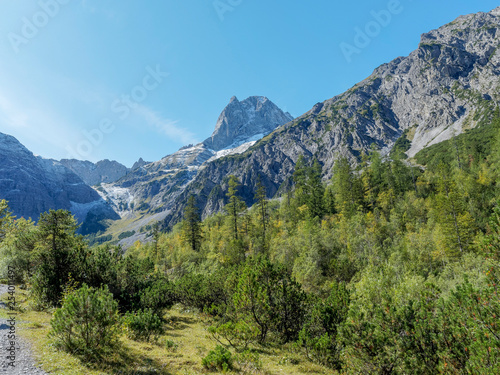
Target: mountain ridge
95, 173
153, 186
33, 185
447, 85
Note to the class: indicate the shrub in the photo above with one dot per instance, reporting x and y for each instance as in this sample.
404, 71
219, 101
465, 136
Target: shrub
248, 362
87, 323
208, 293
171, 345
143, 324
320, 331
218, 359
239, 335
269, 298
160, 295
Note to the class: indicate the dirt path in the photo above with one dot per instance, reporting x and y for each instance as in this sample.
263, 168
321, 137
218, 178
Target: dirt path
24, 362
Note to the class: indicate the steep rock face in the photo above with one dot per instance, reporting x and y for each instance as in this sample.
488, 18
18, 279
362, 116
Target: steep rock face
92, 174
139, 163
449, 84
33, 185
240, 121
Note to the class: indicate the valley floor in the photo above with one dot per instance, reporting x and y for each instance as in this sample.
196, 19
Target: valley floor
179, 351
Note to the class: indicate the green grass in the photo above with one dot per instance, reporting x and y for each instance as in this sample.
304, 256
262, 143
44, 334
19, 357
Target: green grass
179, 351
402, 145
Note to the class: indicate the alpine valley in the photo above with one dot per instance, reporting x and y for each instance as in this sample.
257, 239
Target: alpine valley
447, 86
362, 237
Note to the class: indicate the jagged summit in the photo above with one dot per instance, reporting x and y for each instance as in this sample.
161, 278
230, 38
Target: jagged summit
496, 11
243, 120
240, 125
139, 163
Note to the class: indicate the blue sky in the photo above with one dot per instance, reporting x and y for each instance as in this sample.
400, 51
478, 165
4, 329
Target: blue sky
96, 79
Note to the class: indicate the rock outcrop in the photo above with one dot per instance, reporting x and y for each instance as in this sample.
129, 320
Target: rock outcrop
95, 173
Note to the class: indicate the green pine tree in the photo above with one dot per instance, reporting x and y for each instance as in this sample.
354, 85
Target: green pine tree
59, 253
235, 205
262, 208
191, 226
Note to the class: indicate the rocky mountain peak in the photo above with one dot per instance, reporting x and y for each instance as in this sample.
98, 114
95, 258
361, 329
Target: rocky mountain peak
496, 11
10, 144
243, 120
139, 163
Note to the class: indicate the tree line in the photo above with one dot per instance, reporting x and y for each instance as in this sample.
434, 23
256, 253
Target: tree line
390, 267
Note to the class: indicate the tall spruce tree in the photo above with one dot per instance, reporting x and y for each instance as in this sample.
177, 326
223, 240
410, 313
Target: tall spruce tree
300, 180
309, 189
235, 205
156, 234
346, 186
60, 254
191, 226
450, 212
262, 209
316, 188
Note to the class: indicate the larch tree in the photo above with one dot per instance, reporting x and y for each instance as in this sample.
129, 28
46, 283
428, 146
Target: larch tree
5, 218
450, 211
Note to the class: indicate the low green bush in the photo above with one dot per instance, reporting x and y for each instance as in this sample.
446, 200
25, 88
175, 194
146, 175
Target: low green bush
87, 323
239, 335
171, 345
218, 359
248, 362
143, 325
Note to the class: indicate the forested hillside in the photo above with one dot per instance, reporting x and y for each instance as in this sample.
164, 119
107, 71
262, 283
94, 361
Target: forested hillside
390, 268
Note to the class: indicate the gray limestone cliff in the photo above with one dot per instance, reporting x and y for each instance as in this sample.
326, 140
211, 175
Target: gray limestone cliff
33, 185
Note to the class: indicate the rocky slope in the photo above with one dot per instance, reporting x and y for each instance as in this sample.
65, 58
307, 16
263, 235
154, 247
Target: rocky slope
146, 193
93, 174
240, 121
448, 84
33, 185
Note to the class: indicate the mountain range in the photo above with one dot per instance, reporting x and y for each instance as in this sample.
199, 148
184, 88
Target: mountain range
448, 85
33, 185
